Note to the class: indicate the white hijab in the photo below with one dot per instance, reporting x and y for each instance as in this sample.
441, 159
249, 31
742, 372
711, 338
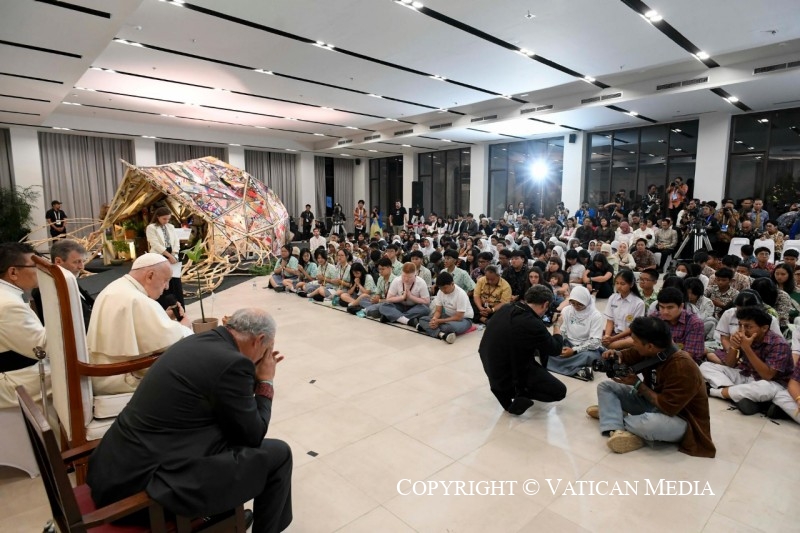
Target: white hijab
580, 326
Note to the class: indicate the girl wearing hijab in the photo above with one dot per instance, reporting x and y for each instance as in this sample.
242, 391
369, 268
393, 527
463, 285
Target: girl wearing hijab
582, 328
624, 233
624, 260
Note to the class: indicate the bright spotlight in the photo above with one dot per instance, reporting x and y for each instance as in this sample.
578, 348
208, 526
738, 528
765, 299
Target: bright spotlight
540, 170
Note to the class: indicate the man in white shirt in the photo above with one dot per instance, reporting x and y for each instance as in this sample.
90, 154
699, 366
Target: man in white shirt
316, 241
127, 323
20, 329
407, 299
452, 311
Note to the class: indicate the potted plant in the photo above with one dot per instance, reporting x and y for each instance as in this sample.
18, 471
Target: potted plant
16, 204
121, 249
203, 324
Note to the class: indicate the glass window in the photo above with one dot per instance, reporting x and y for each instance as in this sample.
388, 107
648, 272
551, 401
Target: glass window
466, 156
624, 166
750, 133
386, 182
746, 171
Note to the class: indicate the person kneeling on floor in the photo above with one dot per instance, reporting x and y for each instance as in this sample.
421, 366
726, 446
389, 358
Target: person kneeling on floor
452, 312
508, 347
582, 330
670, 405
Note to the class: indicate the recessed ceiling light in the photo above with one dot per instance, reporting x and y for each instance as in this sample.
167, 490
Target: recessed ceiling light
320, 134
406, 1
446, 140
261, 127
653, 16
633, 113
375, 95
732, 99
372, 151
59, 128
525, 52
702, 55
406, 145
589, 79
523, 95
351, 127
763, 120
417, 5
327, 108
170, 116
233, 144
262, 71
71, 103
437, 77
391, 119
506, 96
442, 110
148, 137
345, 155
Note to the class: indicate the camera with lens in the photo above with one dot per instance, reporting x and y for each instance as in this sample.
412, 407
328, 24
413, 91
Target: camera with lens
611, 368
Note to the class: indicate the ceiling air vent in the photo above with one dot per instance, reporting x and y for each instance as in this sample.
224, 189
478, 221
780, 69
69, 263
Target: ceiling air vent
346, 141
440, 126
684, 83
526, 111
590, 100
487, 117
769, 68
611, 96
544, 107
793, 64
403, 132
372, 138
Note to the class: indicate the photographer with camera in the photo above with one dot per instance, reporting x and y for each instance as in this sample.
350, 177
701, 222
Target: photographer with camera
669, 404
676, 194
508, 347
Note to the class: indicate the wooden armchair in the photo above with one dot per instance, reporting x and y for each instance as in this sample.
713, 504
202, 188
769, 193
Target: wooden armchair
83, 417
72, 507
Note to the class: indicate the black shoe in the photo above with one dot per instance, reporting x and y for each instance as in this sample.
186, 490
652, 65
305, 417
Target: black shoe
420, 328
584, 374
519, 405
413, 322
747, 406
248, 518
302, 294
776, 413
280, 288
384, 320
354, 309
318, 298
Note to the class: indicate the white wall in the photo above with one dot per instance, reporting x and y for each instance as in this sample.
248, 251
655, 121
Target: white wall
145, 152
28, 173
305, 182
236, 156
361, 184
479, 178
410, 174
713, 140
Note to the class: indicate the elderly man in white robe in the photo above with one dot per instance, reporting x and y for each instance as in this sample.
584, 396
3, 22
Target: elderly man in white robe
128, 323
20, 329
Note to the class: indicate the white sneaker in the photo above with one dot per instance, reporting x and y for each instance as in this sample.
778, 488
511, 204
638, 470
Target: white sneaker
450, 338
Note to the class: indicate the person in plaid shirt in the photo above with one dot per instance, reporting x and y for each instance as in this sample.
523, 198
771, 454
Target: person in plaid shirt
758, 370
687, 329
721, 293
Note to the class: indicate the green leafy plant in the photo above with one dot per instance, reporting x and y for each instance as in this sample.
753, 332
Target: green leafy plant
139, 227
121, 247
16, 205
196, 255
262, 270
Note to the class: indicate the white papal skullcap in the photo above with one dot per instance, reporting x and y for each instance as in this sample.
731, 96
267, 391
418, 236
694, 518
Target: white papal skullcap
148, 259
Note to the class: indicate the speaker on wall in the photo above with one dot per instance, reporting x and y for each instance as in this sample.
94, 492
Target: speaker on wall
572, 138
416, 194
358, 162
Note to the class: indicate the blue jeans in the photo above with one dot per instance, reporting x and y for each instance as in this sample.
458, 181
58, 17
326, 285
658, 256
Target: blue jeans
643, 419
457, 326
393, 311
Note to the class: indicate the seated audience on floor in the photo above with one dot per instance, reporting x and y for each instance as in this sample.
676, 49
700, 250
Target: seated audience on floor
788, 400
491, 293
452, 312
306, 271
417, 258
361, 287
582, 329
756, 368
510, 342
775, 299
701, 306
192, 435
371, 305
647, 286
285, 270
128, 323
20, 329
721, 293
669, 405
622, 307
407, 300
598, 277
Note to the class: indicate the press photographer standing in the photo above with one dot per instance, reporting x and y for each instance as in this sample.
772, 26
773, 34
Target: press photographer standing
670, 405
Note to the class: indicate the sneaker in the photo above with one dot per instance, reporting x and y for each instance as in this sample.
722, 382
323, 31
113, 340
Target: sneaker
776, 413
302, 294
519, 405
413, 322
747, 406
318, 298
384, 320
280, 288
584, 374
354, 309
593, 411
420, 328
622, 441
450, 338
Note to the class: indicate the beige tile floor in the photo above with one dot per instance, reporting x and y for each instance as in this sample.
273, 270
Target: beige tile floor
387, 405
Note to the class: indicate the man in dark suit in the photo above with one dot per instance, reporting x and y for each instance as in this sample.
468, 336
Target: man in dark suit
470, 225
69, 255
192, 435
56, 220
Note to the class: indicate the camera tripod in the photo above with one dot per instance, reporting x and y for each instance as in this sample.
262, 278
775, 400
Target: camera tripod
699, 239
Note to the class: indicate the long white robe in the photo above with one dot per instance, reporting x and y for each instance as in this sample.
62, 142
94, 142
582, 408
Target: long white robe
127, 324
20, 332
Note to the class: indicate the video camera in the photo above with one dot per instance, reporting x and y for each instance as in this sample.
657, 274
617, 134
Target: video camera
614, 368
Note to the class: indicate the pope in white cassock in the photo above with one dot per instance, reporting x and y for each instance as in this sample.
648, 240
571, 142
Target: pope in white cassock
127, 322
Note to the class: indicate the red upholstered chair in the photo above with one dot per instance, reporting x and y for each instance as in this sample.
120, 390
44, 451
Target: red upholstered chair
72, 507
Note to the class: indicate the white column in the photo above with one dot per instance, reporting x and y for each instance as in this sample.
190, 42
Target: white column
410, 171
360, 183
145, 152
306, 187
479, 179
713, 138
236, 156
28, 173
574, 171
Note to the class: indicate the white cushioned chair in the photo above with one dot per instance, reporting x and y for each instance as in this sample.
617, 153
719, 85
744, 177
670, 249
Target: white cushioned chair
83, 416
